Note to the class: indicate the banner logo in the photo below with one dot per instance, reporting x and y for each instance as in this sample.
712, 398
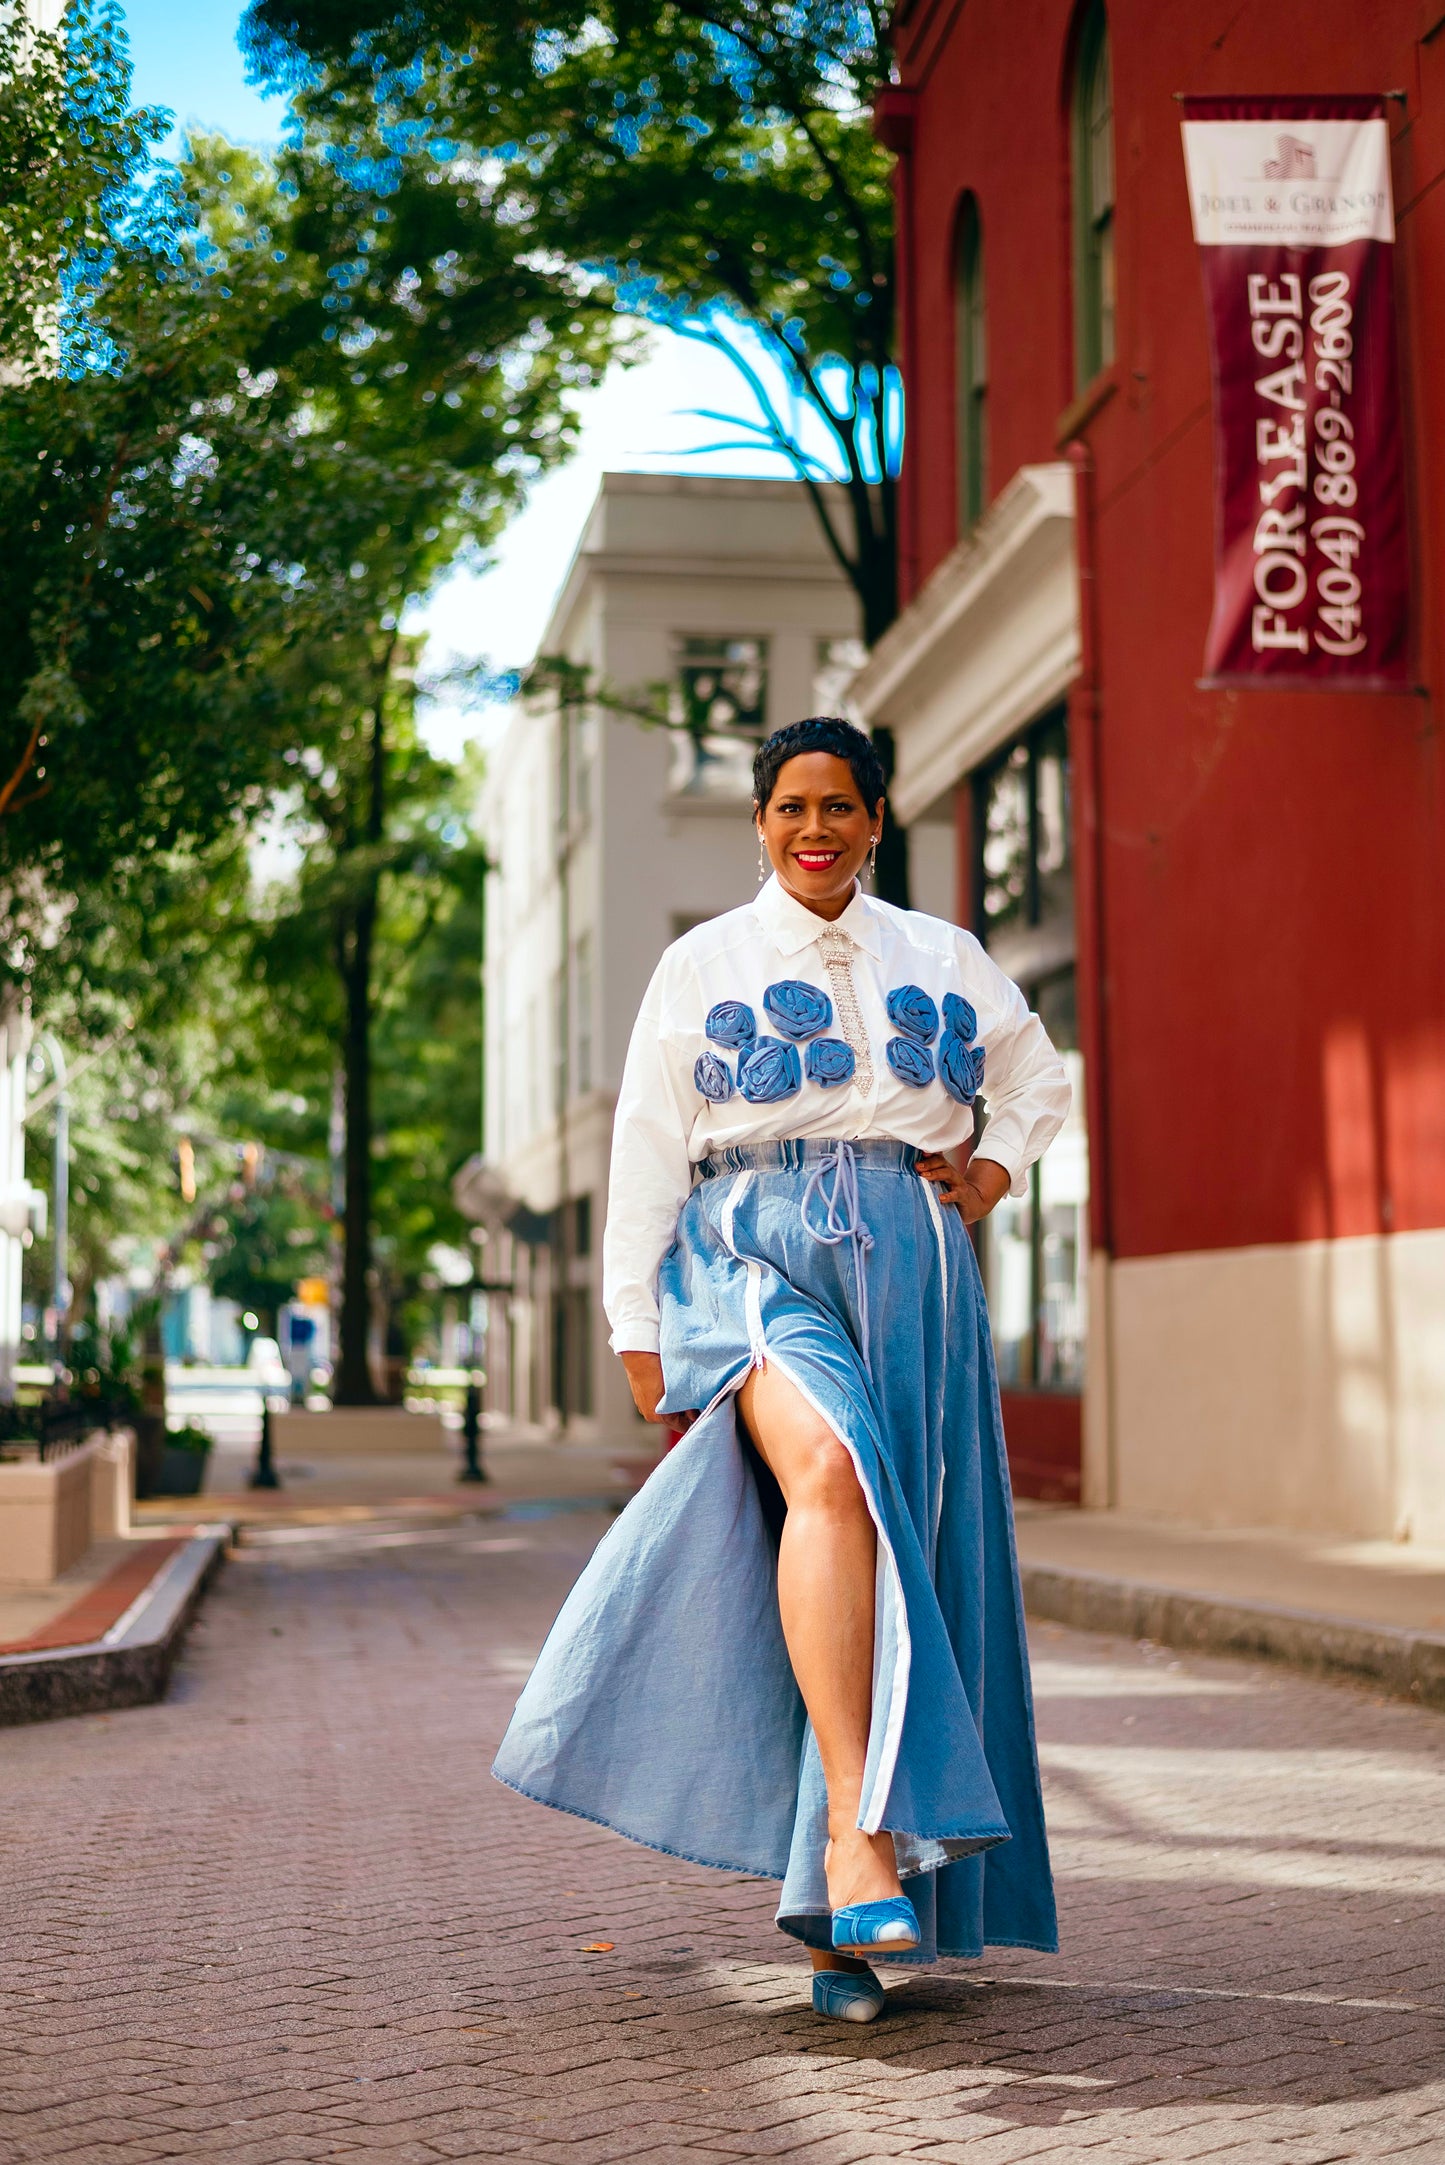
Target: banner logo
1296, 160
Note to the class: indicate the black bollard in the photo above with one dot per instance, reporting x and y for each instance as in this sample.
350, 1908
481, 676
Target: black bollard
265, 1475
473, 1469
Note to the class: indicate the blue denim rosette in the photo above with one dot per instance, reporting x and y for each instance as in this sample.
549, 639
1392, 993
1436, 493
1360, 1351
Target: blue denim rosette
913, 1014
911, 1063
959, 1017
798, 1010
772, 1070
829, 1062
960, 1067
713, 1078
731, 1023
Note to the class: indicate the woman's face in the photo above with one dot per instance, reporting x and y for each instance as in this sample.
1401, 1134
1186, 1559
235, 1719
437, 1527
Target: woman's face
817, 830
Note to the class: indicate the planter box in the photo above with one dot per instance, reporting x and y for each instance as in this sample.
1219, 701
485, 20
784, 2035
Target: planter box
51, 1512
181, 1472
150, 1440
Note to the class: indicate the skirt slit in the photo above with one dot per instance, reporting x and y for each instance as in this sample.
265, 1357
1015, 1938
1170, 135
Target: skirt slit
891, 1643
664, 1703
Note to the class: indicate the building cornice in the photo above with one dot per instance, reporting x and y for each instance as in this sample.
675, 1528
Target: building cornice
593, 560
758, 564
990, 642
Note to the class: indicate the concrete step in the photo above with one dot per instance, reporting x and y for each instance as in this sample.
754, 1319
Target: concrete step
1372, 1611
115, 1646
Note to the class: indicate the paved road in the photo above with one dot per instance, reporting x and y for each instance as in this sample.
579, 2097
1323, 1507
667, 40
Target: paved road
286, 1916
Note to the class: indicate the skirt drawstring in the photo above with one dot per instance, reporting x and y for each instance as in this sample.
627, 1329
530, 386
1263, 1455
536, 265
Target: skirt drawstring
844, 1221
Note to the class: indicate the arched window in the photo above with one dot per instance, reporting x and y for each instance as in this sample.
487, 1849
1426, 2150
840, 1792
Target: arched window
971, 366
1093, 132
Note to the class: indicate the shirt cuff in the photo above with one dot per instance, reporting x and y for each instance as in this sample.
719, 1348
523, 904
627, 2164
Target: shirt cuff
638, 1337
1000, 1154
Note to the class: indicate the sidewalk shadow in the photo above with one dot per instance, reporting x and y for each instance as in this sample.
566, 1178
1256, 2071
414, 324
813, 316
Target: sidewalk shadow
1038, 2052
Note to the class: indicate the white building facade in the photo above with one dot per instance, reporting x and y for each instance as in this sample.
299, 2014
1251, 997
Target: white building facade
609, 838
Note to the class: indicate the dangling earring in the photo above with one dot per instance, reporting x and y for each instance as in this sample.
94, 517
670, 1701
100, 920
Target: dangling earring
873, 860
762, 860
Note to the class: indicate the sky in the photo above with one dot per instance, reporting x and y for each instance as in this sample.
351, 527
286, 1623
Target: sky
642, 419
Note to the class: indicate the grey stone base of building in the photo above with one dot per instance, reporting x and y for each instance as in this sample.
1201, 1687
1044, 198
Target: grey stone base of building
1402, 1664
131, 1664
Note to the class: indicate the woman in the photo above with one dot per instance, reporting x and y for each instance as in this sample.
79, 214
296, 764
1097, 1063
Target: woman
800, 1651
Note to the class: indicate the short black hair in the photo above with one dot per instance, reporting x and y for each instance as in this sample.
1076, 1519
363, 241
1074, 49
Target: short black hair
820, 733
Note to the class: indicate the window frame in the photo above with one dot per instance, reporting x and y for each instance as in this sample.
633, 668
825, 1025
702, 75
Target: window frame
712, 757
1091, 123
970, 333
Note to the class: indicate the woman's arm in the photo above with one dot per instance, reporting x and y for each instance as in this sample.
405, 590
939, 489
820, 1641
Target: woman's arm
650, 1179
644, 1377
973, 1192
1025, 1083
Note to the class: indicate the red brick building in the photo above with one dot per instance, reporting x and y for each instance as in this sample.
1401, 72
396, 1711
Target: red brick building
1227, 1299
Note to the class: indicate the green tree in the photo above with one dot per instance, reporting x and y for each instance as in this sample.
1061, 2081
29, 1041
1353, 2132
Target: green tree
213, 549
263, 1241
711, 169
346, 940
81, 195
429, 1053
424, 1042
148, 519
447, 393
146, 977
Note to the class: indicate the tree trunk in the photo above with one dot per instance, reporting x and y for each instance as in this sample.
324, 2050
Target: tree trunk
353, 1385
875, 580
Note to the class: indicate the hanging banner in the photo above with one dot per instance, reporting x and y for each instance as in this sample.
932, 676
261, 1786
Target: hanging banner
1292, 213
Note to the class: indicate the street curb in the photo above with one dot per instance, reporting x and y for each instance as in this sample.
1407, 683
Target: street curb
131, 1664
1404, 1664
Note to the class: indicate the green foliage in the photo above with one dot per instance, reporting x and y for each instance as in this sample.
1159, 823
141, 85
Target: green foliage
211, 551
139, 982
263, 1241
188, 1438
708, 169
201, 545
146, 517
428, 1066
288, 1009
80, 194
106, 1365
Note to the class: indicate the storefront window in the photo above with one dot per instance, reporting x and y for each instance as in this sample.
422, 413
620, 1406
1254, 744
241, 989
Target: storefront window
1033, 1249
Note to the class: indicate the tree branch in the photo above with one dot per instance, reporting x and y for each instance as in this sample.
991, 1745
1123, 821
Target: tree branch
784, 441
799, 114
21, 802
21, 771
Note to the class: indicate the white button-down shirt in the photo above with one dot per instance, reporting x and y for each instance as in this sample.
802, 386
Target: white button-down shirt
665, 1125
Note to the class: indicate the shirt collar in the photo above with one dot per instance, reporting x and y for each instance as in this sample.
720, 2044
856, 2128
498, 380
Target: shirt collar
792, 926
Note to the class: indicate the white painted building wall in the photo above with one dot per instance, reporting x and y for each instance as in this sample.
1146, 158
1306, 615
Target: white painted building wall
636, 858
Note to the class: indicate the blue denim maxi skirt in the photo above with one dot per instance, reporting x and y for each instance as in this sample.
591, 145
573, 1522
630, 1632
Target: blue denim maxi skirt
663, 1704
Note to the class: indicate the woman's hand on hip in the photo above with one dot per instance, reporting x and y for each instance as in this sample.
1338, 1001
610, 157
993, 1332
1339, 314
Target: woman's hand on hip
644, 1374
972, 1192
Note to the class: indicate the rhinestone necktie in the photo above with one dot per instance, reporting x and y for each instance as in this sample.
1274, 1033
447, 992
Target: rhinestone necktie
837, 952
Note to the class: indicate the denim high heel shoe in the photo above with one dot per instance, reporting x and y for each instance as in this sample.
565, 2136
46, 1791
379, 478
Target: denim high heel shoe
881, 1928
847, 1995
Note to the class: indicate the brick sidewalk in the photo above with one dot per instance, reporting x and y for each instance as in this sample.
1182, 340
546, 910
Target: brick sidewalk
287, 1916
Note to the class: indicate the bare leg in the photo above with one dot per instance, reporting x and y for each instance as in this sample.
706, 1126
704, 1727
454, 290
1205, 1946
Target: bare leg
826, 1563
